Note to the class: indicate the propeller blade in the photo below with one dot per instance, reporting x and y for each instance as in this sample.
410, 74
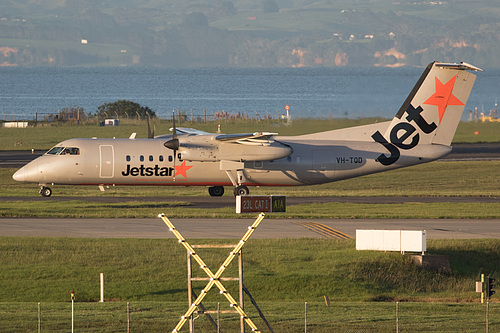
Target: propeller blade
174, 142
175, 130
150, 135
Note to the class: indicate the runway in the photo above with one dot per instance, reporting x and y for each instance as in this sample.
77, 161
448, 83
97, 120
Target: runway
235, 228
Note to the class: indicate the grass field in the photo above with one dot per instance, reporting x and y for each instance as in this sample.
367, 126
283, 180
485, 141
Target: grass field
284, 317
151, 274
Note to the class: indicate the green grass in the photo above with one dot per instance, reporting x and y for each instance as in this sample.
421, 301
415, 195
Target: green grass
288, 270
151, 275
282, 316
135, 209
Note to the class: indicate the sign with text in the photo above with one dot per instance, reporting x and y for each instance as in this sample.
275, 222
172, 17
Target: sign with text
261, 204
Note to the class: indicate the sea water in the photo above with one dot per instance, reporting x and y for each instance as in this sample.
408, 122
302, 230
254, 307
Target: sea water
310, 92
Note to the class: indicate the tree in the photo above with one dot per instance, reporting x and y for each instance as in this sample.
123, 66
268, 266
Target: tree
125, 109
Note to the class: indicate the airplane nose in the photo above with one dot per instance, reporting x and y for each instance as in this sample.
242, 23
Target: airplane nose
20, 175
28, 173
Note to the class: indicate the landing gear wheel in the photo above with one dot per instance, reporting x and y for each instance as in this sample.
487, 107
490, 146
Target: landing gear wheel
216, 191
45, 191
241, 190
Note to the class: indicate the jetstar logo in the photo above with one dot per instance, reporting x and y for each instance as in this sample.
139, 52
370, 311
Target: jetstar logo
443, 96
157, 171
403, 131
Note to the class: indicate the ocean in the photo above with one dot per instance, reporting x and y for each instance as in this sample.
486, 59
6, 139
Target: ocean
310, 92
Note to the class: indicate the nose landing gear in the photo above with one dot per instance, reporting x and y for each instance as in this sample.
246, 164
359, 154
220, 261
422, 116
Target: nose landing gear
241, 190
45, 191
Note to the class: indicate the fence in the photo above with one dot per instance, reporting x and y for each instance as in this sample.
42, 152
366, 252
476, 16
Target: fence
310, 317
182, 116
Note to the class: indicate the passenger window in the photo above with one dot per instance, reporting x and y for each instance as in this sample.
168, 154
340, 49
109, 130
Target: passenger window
128, 158
141, 158
170, 159
150, 158
160, 158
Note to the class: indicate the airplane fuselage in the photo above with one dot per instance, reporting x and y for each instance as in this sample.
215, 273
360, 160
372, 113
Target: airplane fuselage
421, 131
148, 162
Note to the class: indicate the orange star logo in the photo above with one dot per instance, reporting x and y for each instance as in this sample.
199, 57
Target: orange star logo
181, 169
443, 96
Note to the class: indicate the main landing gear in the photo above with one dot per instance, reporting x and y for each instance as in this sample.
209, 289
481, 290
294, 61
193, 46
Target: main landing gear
218, 191
45, 191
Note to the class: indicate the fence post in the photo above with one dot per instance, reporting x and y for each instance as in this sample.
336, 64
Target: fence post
397, 317
128, 317
305, 317
487, 313
39, 318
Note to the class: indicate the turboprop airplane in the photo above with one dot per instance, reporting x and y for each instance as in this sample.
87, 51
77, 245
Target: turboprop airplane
421, 131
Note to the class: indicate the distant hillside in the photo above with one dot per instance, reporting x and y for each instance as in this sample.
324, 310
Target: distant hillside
242, 33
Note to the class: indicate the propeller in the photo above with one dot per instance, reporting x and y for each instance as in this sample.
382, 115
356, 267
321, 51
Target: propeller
174, 142
151, 135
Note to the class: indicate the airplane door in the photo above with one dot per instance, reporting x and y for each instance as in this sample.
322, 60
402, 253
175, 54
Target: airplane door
107, 159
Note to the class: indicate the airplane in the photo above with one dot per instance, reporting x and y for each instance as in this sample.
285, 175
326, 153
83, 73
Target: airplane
421, 132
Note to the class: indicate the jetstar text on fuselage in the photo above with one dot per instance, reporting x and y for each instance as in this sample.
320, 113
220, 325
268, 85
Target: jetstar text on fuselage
143, 171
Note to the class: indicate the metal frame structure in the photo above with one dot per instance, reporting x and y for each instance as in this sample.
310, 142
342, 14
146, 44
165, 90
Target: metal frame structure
214, 279
192, 296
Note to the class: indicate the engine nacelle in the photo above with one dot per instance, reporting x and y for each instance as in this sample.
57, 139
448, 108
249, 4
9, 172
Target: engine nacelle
217, 151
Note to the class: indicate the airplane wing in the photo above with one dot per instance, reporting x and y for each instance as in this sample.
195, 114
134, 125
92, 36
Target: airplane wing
256, 138
183, 130
186, 130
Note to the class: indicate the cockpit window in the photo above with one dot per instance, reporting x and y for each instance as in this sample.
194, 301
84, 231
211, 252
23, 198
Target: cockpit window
71, 151
64, 151
55, 151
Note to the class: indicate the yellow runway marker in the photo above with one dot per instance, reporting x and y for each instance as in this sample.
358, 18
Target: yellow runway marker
324, 230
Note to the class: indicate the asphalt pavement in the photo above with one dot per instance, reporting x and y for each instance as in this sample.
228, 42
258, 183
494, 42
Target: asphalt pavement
205, 228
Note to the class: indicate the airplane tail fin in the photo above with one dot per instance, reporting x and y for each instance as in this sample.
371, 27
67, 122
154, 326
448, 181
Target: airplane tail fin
431, 112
